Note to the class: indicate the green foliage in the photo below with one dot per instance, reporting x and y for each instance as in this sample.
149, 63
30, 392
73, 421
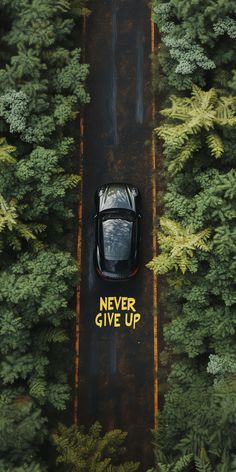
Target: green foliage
177, 246
197, 40
34, 291
8, 214
79, 451
21, 425
5, 152
13, 229
198, 419
33, 467
221, 365
14, 110
181, 465
200, 116
42, 90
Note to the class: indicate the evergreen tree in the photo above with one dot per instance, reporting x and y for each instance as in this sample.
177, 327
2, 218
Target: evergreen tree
41, 94
197, 42
197, 422
200, 117
178, 246
79, 451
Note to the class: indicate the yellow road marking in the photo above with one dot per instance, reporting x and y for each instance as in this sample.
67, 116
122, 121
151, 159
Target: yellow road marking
154, 246
78, 255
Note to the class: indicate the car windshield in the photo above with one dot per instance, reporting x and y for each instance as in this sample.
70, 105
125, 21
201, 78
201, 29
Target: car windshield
117, 236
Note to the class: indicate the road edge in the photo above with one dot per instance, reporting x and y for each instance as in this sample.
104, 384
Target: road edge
79, 248
154, 244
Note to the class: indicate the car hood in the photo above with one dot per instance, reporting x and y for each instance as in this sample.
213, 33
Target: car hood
117, 196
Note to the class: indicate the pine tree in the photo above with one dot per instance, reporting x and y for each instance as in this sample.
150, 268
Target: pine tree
198, 306
199, 116
178, 245
42, 90
80, 451
197, 41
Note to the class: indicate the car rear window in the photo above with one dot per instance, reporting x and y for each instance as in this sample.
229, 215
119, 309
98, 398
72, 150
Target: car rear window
117, 236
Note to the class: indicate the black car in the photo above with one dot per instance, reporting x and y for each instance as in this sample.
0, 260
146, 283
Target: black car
117, 231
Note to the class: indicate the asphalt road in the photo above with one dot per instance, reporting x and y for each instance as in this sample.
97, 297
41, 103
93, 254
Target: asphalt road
116, 364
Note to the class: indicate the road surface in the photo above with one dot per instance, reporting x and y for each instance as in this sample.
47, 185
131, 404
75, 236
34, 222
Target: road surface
116, 383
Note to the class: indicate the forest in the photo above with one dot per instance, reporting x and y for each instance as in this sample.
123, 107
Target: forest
39, 101
195, 80
42, 92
